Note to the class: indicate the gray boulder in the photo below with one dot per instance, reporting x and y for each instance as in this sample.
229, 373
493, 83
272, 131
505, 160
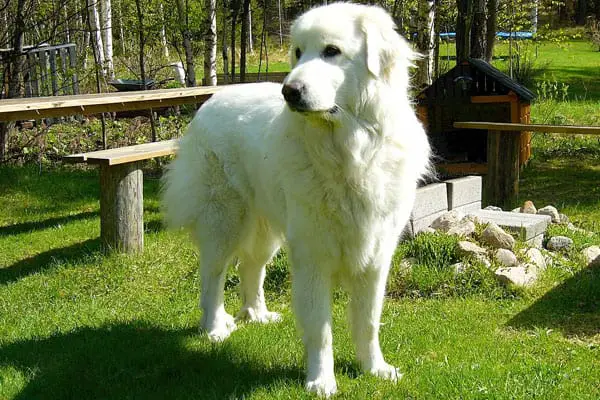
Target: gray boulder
496, 237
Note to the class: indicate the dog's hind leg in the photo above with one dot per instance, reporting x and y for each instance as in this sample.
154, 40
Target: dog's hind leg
218, 233
259, 250
367, 291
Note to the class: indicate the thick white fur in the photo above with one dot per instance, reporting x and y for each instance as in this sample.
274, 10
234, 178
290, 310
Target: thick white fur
335, 183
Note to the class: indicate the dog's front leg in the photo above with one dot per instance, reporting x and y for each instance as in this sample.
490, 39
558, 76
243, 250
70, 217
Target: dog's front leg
367, 290
311, 295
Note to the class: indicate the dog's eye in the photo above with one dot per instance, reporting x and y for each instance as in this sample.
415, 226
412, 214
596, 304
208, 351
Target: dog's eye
331, 51
298, 53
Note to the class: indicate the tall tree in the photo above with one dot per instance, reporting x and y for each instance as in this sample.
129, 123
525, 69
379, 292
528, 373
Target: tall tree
244, 34
463, 29
235, 9
186, 33
491, 26
210, 43
425, 42
107, 37
478, 30
94, 17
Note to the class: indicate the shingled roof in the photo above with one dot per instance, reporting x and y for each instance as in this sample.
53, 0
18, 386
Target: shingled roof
501, 77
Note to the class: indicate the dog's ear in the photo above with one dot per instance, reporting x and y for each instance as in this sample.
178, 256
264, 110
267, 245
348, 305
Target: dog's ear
388, 55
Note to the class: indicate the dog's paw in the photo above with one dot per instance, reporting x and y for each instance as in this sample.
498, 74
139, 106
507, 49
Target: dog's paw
323, 386
249, 314
220, 329
386, 371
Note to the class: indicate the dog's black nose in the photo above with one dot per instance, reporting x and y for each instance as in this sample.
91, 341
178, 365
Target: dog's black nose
292, 92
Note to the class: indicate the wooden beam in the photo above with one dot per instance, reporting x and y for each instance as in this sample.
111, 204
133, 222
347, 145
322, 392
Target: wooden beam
128, 154
508, 127
502, 179
42, 107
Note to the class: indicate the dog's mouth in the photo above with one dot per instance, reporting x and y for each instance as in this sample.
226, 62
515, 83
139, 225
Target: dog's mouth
302, 109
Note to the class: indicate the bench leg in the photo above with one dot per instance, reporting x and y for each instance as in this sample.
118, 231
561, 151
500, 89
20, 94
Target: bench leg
121, 207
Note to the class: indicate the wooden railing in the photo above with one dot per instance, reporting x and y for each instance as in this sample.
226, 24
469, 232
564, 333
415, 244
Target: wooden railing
501, 184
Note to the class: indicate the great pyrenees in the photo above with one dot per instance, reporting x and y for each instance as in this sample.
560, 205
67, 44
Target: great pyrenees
326, 165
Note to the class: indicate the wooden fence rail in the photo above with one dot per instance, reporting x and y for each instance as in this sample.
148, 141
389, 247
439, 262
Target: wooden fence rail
501, 184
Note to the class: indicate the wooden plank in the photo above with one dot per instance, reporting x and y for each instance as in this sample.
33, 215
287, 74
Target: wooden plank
502, 180
491, 99
124, 155
122, 207
53, 73
41, 107
510, 127
73, 64
463, 168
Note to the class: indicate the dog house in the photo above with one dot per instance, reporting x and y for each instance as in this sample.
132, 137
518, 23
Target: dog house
471, 91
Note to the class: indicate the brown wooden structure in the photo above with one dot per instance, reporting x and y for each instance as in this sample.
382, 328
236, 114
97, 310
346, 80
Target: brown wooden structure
473, 91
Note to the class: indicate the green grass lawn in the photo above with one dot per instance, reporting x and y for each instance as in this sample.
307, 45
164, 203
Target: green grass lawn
76, 323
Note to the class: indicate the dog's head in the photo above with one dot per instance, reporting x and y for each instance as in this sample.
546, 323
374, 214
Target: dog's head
337, 51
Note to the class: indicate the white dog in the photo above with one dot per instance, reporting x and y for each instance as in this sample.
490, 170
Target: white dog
328, 165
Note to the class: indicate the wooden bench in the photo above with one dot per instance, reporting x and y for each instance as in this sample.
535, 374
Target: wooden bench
501, 185
121, 191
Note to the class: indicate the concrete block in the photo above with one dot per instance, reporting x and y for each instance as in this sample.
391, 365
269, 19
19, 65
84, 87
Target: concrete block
463, 191
527, 226
430, 199
417, 225
468, 208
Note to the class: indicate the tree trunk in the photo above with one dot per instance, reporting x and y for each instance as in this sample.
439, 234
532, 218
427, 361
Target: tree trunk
463, 29
250, 39
210, 43
163, 33
187, 42
107, 37
534, 15
94, 17
478, 29
13, 67
425, 42
224, 50
142, 40
491, 26
244, 34
280, 24
235, 6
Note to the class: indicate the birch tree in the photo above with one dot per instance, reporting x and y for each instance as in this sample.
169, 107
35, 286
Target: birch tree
187, 42
425, 42
94, 18
163, 32
210, 43
107, 37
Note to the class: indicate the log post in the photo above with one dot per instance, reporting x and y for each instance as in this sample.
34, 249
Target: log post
502, 180
121, 207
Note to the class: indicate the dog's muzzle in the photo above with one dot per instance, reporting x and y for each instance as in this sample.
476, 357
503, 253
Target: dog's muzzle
293, 93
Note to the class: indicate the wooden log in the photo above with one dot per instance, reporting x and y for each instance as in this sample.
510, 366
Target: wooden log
53, 73
502, 180
121, 207
34, 75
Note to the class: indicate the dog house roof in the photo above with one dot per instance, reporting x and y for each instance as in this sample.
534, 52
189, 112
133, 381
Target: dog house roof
472, 70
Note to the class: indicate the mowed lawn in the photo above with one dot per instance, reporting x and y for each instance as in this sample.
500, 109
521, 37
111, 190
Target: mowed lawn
75, 323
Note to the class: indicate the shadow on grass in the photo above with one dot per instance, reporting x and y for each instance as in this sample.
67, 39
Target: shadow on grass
43, 261
47, 223
138, 362
573, 307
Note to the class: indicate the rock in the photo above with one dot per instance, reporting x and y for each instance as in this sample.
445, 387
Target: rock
564, 220
466, 249
591, 255
536, 257
573, 228
473, 218
464, 227
406, 265
496, 237
528, 208
428, 230
446, 221
516, 210
559, 243
483, 260
552, 212
459, 268
520, 275
493, 208
505, 257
